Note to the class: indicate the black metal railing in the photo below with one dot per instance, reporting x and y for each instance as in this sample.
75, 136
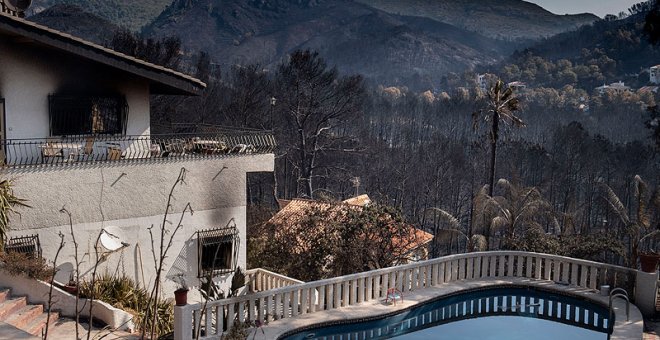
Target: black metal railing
29, 245
100, 148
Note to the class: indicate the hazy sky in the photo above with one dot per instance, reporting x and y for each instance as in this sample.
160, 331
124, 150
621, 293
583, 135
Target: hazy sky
598, 7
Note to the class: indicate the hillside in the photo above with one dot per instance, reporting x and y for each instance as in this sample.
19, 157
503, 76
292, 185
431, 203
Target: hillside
605, 52
71, 19
355, 37
508, 19
127, 13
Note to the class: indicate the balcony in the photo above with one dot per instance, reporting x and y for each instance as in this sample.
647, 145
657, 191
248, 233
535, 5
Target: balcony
110, 148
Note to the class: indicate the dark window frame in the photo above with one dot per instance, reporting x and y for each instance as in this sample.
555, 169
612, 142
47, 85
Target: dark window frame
80, 115
217, 251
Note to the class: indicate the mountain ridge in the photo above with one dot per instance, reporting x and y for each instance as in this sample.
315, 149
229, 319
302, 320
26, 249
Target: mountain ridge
485, 16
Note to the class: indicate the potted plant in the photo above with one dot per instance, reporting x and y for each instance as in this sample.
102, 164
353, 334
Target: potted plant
181, 293
648, 255
72, 286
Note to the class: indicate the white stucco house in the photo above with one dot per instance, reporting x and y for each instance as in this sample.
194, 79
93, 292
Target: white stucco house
75, 134
654, 74
614, 87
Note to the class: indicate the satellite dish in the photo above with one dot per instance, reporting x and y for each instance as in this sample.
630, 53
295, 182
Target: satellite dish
110, 241
18, 6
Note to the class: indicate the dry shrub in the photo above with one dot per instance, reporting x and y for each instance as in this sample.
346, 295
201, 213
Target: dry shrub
20, 264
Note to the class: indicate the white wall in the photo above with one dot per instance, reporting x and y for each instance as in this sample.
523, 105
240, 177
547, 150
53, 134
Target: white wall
29, 73
131, 196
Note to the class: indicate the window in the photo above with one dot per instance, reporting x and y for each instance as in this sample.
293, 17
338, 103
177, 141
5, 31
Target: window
79, 115
217, 251
25, 244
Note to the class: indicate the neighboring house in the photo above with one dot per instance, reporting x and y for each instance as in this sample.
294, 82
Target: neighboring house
293, 211
485, 80
517, 86
648, 89
75, 134
614, 87
654, 74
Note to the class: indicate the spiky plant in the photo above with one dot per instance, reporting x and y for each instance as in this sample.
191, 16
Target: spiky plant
475, 242
642, 228
501, 108
7, 203
517, 209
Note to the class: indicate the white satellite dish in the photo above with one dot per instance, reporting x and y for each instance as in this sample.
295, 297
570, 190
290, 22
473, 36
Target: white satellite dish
18, 5
110, 241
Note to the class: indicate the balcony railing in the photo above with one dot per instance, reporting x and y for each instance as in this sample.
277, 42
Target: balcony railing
101, 148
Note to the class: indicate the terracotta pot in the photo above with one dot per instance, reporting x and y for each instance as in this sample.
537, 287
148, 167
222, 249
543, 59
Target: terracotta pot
649, 262
71, 289
181, 296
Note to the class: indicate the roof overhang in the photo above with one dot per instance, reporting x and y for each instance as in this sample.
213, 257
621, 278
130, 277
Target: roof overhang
162, 80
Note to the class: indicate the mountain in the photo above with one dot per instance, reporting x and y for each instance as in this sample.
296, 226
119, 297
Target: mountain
356, 37
509, 19
132, 14
73, 20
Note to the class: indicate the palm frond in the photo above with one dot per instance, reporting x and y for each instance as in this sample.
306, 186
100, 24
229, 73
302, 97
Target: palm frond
445, 216
479, 242
616, 204
641, 194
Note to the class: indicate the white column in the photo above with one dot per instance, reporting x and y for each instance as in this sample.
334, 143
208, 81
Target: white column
182, 323
645, 292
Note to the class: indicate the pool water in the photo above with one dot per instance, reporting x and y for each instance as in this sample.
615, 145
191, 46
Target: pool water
485, 314
504, 327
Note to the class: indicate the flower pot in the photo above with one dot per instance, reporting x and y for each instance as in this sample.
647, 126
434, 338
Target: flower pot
649, 262
181, 297
71, 289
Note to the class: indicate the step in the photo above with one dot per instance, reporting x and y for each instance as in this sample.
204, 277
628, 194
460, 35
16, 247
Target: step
4, 294
37, 325
25, 315
11, 305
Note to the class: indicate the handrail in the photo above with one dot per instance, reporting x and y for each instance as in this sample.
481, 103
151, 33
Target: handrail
625, 297
339, 292
381, 271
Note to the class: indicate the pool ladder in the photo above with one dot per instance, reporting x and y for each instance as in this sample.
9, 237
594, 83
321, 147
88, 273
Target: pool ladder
620, 293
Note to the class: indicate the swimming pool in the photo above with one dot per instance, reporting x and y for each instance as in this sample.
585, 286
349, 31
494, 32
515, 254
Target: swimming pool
484, 314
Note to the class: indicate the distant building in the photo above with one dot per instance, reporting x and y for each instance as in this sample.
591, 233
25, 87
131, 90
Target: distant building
614, 87
648, 89
485, 80
517, 85
481, 82
654, 74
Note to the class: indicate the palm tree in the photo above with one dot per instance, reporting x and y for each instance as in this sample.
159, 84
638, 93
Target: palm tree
518, 208
7, 204
642, 227
475, 242
502, 105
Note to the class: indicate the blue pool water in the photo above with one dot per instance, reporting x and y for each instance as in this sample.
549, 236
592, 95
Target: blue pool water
486, 314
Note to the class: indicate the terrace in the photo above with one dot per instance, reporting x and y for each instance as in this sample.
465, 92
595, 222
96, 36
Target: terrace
293, 306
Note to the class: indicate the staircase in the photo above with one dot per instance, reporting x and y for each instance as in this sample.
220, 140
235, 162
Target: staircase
17, 312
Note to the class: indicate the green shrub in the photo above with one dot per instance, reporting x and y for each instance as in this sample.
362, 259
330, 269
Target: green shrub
124, 293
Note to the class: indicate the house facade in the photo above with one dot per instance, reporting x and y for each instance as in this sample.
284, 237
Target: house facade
76, 137
654, 74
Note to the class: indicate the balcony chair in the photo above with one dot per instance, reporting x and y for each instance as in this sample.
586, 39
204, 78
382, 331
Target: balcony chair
392, 295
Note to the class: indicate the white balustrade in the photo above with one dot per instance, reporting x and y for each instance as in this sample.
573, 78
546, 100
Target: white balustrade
276, 296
